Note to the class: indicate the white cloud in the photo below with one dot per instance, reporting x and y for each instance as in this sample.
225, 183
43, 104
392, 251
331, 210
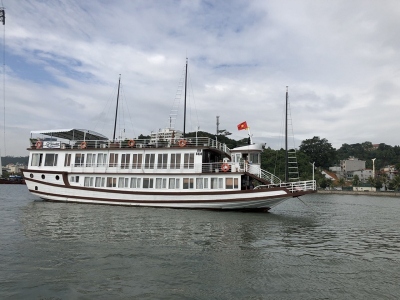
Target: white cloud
340, 60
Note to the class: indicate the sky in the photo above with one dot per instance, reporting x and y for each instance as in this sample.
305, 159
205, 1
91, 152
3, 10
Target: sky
62, 59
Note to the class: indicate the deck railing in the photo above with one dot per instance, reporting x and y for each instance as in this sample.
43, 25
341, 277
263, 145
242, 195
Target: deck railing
134, 143
309, 185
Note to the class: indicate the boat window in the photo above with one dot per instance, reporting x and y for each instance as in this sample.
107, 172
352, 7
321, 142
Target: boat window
199, 183
188, 161
188, 183
123, 182
254, 158
101, 159
149, 161
36, 159
100, 181
135, 182
125, 161
50, 160
161, 183
162, 161
79, 159
88, 181
111, 182
113, 160
175, 161
148, 183
235, 183
67, 160
229, 183
91, 160
137, 161
217, 183
74, 179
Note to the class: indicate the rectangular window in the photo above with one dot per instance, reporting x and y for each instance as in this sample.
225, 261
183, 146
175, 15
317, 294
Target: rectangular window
188, 161
88, 181
113, 160
214, 183
50, 160
135, 183
235, 183
175, 161
100, 182
111, 182
148, 183
199, 183
149, 161
229, 183
74, 179
187, 183
137, 161
254, 158
79, 160
162, 161
67, 160
101, 159
37, 159
90, 160
161, 183
125, 161
123, 182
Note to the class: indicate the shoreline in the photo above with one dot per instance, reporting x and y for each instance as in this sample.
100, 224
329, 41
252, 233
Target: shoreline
379, 194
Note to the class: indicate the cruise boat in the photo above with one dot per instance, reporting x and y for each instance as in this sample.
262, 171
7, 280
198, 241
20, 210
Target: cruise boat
167, 170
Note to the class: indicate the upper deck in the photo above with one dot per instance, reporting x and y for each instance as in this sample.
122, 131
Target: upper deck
84, 139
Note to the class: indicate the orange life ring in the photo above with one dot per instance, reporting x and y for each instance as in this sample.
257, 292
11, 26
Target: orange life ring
225, 167
131, 143
83, 145
39, 144
182, 143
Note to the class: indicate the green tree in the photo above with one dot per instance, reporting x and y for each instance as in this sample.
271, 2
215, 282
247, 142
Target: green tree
356, 180
395, 182
342, 182
371, 181
319, 151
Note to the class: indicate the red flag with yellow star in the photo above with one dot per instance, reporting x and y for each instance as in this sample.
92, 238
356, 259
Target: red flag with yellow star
242, 126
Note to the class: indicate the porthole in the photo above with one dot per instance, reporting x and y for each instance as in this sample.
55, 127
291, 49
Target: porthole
43, 177
36, 188
31, 175
57, 177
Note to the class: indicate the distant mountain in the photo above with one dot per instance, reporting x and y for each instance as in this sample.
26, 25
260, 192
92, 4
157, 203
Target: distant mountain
23, 160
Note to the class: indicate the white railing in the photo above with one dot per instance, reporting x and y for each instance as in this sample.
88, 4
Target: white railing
309, 185
142, 143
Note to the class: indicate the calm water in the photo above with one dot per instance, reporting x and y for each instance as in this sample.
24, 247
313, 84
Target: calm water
326, 247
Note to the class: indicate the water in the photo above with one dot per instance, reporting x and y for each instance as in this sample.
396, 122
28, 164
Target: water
326, 247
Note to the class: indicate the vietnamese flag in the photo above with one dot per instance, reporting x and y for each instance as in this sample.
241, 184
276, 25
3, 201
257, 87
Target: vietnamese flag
242, 126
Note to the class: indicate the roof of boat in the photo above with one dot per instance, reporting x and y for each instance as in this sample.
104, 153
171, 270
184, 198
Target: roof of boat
72, 134
252, 147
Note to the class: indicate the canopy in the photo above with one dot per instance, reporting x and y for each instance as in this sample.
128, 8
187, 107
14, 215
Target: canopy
72, 134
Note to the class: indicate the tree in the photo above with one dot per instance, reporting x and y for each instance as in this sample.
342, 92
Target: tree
319, 151
371, 181
396, 183
356, 180
342, 182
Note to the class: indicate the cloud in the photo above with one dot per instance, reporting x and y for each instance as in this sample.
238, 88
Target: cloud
339, 59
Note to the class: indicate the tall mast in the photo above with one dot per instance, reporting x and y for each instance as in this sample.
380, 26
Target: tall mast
286, 135
184, 109
116, 109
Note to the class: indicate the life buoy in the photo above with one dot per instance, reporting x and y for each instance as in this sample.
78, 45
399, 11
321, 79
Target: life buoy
182, 143
39, 144
83, 145
225, 167
131, 143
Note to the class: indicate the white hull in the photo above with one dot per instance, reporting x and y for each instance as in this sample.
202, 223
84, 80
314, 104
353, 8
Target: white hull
255, 199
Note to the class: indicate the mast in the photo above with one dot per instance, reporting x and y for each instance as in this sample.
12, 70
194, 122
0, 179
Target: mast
184, 109
286, 135
116, 109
